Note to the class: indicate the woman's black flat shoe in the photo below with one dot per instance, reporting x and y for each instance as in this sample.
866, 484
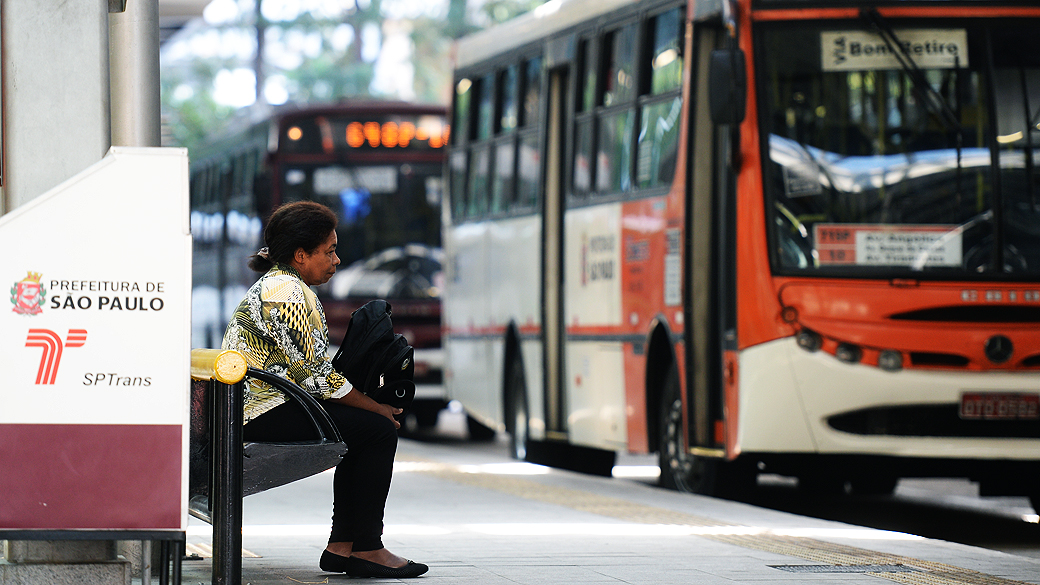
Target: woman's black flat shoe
333, 563
356, 567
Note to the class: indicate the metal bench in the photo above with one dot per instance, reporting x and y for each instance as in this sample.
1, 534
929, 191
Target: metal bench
223, 469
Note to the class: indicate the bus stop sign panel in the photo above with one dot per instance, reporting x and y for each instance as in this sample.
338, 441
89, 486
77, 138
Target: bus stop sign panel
95, 349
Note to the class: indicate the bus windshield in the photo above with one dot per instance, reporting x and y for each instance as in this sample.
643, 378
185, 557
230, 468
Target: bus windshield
916, 164
379, 206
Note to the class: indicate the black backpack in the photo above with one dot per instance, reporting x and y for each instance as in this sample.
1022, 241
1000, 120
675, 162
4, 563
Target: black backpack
374, 359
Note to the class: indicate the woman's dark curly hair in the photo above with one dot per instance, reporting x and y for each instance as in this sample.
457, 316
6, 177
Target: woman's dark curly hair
301, 224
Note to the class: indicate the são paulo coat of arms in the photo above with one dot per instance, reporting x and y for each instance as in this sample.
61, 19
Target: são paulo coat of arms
28, 295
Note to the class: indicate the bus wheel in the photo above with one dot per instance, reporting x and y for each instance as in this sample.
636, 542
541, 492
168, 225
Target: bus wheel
516, 394
680, 470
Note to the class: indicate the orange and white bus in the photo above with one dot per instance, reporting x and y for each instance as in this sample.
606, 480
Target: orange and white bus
798, 237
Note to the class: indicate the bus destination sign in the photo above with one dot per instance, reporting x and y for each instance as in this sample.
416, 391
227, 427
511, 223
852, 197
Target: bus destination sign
339, 134
857, 50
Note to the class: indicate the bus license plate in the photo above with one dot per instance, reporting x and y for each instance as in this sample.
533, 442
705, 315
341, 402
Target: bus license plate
1000, 405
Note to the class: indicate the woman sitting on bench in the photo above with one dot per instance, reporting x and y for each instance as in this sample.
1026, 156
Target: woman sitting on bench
280, 327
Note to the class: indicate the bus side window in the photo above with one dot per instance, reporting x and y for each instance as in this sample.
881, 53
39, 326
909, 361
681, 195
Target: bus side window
238, 175
581, 180
248, 171
614, 152
620, 77
616, 117
503, 185
529, 157
583, 161
463, 116
529, 169
666, 58
479, 167
261, 184
463, 99
212, 197
659, 115
589, 78
457, 176
196, 189
532, 92
262, 192
478, 193
486, 107
509, 113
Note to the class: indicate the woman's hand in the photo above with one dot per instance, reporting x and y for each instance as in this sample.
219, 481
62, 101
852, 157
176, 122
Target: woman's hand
359, 399
390, 412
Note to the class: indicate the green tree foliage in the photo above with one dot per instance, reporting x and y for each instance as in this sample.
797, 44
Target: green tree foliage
313, 52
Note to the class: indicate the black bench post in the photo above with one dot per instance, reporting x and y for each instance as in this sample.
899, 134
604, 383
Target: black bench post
226, 489
219, 475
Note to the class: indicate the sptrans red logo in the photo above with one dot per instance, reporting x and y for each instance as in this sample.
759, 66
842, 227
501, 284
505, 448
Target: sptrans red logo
52, 347
28, 295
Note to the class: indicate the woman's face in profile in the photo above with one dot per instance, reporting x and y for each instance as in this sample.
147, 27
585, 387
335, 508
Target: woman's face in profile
318, 267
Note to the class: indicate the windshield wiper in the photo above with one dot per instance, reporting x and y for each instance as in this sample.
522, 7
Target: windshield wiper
932, 99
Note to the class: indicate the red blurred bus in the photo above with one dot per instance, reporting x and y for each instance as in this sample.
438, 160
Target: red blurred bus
379, 165
795, 237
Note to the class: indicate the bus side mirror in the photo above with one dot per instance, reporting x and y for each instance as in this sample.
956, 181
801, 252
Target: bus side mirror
727, 86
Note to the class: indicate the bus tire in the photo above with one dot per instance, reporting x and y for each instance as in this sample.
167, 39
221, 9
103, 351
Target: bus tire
517, 413
685, 472
680, 470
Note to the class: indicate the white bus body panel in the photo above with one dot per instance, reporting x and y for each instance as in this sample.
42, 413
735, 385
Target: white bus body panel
471, 377
515, 294
532, 350
593, 267
468, 373
596, 395
466, 308
770, 412
493, 279
515, 267
595, 374
787, 394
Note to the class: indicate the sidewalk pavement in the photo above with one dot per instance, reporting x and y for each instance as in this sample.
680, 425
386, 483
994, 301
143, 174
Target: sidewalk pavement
475, 517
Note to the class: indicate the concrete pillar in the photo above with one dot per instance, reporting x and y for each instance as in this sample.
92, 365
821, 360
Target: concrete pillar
61, 112
134, 69
56, 115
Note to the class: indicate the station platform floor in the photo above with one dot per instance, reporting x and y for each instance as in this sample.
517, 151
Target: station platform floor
476, 517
